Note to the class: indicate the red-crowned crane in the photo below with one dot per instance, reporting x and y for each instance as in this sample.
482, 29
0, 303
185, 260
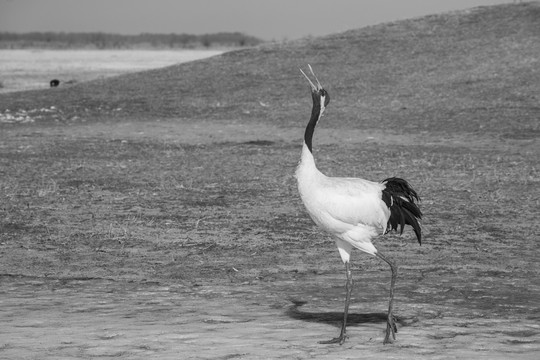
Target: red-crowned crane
354, 210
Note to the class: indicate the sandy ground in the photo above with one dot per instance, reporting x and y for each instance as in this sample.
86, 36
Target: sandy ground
55, 319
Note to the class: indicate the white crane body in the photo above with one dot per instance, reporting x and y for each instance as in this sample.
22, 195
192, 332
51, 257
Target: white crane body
351, 209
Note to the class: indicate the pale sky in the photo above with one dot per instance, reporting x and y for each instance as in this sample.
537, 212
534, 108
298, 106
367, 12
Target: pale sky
266, 19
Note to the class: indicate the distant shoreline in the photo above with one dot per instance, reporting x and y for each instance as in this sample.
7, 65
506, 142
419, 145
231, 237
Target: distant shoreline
106, 41
142, 48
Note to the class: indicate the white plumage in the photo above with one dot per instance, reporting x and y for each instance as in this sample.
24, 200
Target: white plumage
349, 208
353, 210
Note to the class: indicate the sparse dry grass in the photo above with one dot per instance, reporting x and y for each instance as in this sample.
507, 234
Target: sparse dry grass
123, 199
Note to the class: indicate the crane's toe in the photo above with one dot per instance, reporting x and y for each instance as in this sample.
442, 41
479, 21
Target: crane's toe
338, 340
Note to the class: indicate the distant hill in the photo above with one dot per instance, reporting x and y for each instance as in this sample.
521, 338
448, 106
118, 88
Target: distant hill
476, 70
98, 40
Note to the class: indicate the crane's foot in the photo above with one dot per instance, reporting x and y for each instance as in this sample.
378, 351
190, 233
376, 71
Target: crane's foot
391, 330
338, 340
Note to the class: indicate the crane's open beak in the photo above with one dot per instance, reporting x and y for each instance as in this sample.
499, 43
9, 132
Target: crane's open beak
313, 86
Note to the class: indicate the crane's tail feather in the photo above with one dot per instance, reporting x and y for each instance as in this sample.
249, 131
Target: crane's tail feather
401, 199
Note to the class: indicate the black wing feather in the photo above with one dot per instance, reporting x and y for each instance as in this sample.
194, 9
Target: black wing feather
401, 199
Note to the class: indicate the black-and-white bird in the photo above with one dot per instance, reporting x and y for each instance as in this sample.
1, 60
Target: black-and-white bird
354, 210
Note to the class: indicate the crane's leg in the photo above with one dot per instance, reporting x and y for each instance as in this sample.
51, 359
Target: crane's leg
348, 287
391, 328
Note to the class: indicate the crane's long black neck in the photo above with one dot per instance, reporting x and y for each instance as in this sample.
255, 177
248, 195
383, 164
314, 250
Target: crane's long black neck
315, 116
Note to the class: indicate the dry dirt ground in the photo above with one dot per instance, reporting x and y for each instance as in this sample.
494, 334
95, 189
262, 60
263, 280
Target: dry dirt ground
188, 241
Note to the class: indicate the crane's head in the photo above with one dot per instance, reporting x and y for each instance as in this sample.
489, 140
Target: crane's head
319, 95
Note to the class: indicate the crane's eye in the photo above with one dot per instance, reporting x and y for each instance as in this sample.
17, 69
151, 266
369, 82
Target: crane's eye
326, 97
